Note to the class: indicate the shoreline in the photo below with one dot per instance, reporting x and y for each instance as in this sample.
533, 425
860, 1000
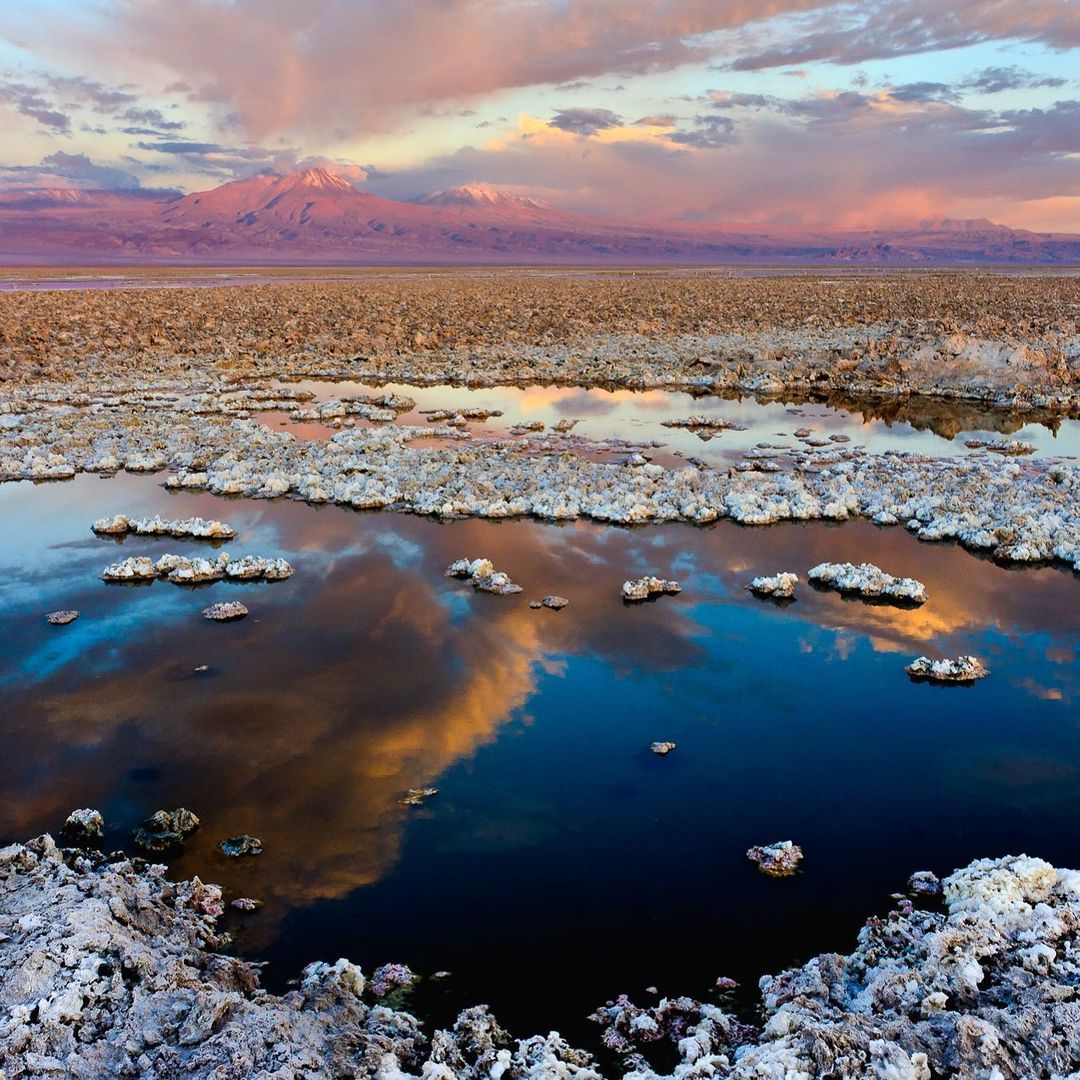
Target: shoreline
110, 968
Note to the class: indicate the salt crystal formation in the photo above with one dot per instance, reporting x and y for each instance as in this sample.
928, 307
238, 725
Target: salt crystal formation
1005, 447
236, 847
780, 586
417, 796
984, 988
226, 611
84, 826
964, 669
483, 576
182, 570
869, 581
777, 860
61, 618
662, 748
643, 588
193, 527
165, 829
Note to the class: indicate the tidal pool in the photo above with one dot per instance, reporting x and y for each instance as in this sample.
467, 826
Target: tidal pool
561, 863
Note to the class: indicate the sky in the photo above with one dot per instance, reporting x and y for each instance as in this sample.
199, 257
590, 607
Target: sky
778, 112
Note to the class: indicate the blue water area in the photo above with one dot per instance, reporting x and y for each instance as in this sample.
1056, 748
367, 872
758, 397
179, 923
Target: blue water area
561, 862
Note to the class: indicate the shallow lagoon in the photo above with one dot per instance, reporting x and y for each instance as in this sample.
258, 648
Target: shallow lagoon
561, 862
918, 425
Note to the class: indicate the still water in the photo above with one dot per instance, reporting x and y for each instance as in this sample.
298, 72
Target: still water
561, 862
917, 425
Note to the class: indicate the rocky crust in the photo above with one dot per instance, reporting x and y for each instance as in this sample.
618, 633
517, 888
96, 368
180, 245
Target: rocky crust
980, 336
109, 969
868, 581
483, 576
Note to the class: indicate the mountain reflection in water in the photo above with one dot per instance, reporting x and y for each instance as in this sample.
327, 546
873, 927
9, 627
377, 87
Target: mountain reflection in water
561, 863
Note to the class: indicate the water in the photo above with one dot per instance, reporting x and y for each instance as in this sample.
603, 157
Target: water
920, 425
561, 863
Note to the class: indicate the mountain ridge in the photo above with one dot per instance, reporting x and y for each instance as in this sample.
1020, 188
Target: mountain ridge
316, 215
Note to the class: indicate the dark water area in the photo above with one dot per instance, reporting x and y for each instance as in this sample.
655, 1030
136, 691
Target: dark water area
561, 862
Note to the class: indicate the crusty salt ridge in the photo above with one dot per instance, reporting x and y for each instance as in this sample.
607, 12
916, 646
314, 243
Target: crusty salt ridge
1021, 510
195, 528
110, 970
181, 570
483, 576
781, 859
868, 580
963, 669
226, 611
643, 588
781, 586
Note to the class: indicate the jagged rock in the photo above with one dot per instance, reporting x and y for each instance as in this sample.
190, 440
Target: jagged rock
237, 847
61, 618
246, 903
84, 826
777, 860
556, 603
226, 611
869, 581
780, 586
138, 568
964, 669
662, 748
165, 829
643, 588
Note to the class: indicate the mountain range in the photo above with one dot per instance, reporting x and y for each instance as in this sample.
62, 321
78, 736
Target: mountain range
315, 216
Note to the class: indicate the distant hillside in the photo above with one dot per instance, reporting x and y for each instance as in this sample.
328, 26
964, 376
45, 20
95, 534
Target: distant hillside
316, 215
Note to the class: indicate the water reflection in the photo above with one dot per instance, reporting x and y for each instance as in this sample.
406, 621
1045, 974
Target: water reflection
918, 424
368, 673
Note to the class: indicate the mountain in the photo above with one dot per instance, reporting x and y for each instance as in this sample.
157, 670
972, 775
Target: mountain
480, 196
317, 216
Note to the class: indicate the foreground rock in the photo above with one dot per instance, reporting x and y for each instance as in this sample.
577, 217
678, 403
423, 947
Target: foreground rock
662, 748
868, 581
61, 618
646, 587
193, 527
777, 860
110, 970
237, 847
964, 669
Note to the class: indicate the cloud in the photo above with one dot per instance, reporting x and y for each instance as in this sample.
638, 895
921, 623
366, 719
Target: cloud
584, 121
883, 29
154, 118
28, 101
996, 80
67, 170
83, 91
708, 132
660, 120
